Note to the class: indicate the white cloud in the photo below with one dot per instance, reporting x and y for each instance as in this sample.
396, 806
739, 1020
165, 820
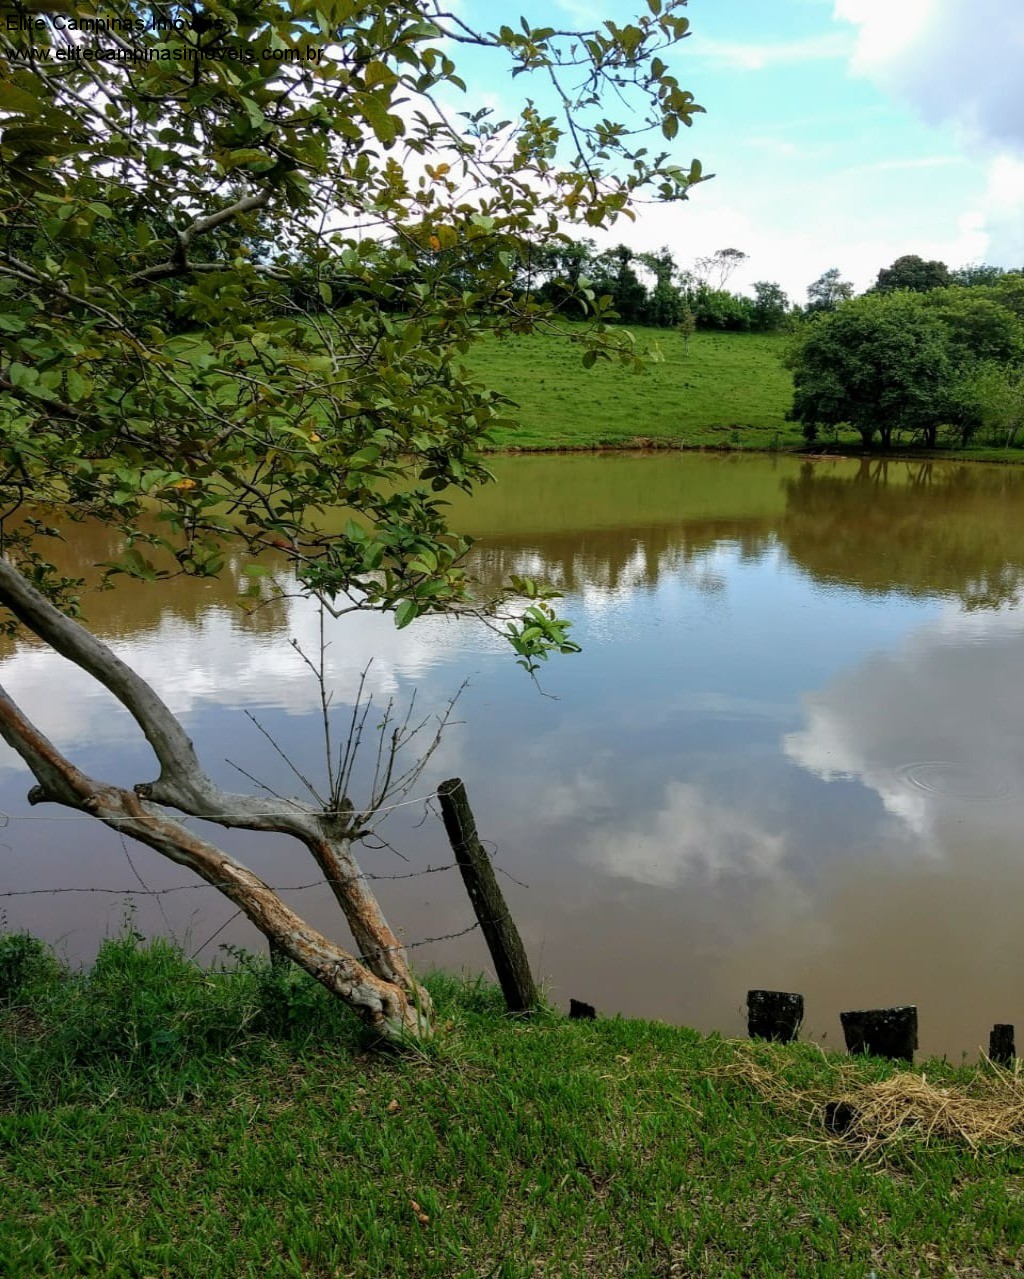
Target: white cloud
998, 223
954, 65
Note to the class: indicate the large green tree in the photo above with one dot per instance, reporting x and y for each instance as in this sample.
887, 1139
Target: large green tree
880, 363
205, 170
913, 273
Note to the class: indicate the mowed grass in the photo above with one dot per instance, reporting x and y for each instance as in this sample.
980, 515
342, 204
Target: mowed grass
161, 1120
727, 390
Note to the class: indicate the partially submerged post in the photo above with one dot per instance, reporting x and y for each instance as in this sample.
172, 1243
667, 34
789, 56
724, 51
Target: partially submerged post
882, 1032
1001, 1047
774, 1014
501, 934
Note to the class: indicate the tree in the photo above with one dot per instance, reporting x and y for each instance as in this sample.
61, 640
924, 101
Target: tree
975, 273
913, 273
615, 278
995, 395
562, 266
880, 363
664, 302
980, 327
713, 272
827, 291
771, 306
720, 309
138, 150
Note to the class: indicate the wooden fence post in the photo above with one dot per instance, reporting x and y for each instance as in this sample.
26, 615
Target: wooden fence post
1000, 1045
882, 1032
774, 1014
501, 934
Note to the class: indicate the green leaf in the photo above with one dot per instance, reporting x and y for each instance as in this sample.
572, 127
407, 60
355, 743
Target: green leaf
252, 109
405, 613
384, 126
78, 386
22, 375
378, 73
18, 101
248, 157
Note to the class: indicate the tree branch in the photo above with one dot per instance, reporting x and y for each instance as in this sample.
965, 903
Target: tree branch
377, 999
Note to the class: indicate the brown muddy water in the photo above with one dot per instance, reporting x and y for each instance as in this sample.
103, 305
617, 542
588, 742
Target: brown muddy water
790, 755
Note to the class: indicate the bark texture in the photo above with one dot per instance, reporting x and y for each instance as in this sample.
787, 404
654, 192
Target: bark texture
377, 983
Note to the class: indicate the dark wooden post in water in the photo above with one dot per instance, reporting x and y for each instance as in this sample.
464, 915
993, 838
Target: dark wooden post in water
1001, 1048
774, 1014
882, 1032
501, 934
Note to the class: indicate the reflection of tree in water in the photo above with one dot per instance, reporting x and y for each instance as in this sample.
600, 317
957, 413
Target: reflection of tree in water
910, 527
611, 559
137, 606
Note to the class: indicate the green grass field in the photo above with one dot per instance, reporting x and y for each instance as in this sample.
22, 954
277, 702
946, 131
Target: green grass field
727, 390
160, 1120
723, 391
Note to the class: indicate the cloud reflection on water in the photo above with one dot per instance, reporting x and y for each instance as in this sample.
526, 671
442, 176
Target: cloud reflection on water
943, 709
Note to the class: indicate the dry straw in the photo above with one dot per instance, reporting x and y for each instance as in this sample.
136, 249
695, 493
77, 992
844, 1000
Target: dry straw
985, 1111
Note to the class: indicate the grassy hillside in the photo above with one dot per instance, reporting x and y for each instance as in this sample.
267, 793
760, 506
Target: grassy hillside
160, 1120
727, 389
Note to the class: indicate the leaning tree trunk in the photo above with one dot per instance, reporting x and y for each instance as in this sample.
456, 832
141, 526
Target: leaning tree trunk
377, 983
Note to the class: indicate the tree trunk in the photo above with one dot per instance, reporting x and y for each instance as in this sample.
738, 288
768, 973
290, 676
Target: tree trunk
377, 983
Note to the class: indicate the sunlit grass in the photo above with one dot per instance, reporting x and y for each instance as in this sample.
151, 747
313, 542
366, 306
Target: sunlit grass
161, 1120
724, 390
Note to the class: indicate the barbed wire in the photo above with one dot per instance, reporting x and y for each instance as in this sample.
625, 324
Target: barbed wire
160, 893
205, 883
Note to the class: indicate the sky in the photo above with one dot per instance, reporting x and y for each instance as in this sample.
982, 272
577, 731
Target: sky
842, 133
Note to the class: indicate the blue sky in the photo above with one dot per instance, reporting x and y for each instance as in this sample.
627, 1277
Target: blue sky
843, 133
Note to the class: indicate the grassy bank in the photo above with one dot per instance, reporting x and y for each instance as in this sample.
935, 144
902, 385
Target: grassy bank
725, 390
161, 1120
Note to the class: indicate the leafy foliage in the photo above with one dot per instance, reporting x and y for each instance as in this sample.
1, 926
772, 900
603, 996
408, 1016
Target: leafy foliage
979, 325
771, 306
242, 260
828, 291
881, 363
913, 273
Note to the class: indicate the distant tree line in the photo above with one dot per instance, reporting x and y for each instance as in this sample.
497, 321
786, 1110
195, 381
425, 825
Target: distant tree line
651, 288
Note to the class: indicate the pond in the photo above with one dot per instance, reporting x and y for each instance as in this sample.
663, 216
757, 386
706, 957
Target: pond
790, 755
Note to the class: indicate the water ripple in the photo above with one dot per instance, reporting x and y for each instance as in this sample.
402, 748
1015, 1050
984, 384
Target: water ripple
957, 781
